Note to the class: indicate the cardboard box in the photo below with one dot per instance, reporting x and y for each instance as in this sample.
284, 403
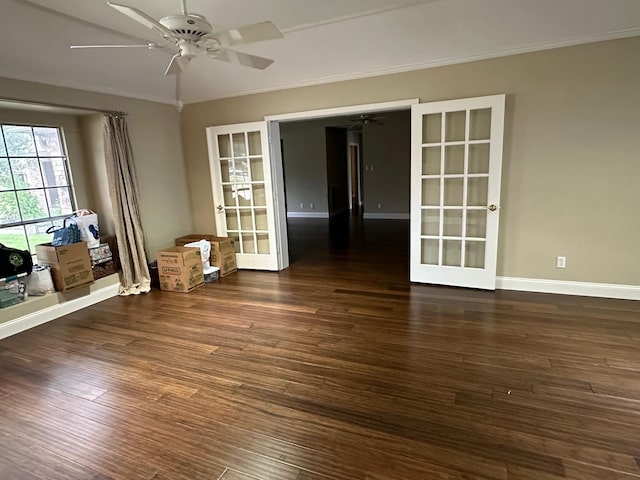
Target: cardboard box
180, 269
223, 251
70, 264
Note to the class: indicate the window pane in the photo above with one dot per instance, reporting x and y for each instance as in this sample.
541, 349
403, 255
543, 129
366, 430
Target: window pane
59, 201
37, 234
32, 204
47, 141
3, 151
5, 175
9, 212
13, 237
19, 141
26, 172
54, 172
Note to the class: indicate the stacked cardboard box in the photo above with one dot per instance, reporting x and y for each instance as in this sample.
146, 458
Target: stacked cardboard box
223, 251
180, 269
70, 264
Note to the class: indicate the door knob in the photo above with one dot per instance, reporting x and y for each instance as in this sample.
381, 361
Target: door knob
493, 208
220, 208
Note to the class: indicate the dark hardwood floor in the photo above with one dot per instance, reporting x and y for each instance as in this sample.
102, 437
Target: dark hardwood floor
337, 368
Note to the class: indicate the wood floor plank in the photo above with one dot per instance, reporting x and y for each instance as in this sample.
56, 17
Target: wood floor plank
337, 368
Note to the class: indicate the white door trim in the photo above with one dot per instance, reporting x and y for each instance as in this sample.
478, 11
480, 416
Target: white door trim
275, 157
348, 110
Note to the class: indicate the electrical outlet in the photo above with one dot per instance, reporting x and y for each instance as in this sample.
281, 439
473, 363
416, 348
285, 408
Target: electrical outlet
561, 262
301, 205
312, 205
379, 205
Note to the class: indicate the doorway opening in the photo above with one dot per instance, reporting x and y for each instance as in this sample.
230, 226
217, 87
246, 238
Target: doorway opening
359, 186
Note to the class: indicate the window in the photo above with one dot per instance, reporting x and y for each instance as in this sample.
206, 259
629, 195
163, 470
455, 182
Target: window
35, 186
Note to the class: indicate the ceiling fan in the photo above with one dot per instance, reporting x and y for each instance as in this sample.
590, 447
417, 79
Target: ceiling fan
364, 119
187, 35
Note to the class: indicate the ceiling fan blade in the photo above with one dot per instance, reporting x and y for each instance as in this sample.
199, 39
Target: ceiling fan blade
141, 17
148, 45
256, 32
177, 65
240, 58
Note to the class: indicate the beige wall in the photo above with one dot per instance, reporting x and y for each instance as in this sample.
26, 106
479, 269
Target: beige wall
154, 129
571, 160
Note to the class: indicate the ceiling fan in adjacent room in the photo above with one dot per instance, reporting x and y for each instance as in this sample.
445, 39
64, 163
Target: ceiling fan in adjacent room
187, 35
364, 119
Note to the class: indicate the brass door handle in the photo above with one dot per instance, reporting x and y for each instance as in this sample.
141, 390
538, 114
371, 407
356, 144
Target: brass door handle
492, 207
220, 208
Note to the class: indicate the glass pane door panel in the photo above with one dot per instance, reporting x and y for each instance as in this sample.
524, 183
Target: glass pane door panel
224, 146
479, 158
263, 243
225, 170
452, 253
452, 223
9, 213
239, 145
255, 145
480, 124
229, 195
257, 170
248, 243
477, 191
453, 191
431, 191
241, 172
236, 237
232, 219
431, 161
432, 128
455, 126
261, 219
474, 254
476, 223
246, 220
259, 197
454, 160
244, 195
430, 251
431, 222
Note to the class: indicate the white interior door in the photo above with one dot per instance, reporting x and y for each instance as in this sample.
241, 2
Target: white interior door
243, 192
456, 162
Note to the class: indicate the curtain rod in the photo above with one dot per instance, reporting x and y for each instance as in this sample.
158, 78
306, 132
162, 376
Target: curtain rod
115, 113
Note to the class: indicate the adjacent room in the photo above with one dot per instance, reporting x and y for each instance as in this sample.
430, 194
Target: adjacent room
319, 240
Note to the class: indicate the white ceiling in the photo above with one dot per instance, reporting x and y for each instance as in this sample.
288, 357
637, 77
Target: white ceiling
324, 40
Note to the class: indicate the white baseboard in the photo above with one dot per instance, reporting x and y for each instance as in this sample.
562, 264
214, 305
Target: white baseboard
387, 216
39, 317
585, 289
307, 214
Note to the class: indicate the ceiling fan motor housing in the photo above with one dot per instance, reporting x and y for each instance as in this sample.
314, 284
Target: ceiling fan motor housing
188, 27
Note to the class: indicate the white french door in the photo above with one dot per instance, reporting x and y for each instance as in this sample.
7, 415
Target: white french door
243, 192
456, 163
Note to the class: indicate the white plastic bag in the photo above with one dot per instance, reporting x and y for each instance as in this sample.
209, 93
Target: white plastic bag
205, 251
87, 222
39, 281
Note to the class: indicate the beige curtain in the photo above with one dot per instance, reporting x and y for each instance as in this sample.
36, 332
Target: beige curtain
123, 189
